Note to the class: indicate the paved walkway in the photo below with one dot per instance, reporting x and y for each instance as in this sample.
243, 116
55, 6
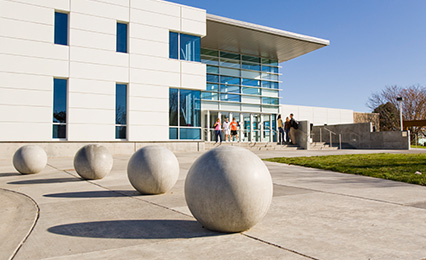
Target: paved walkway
315, 214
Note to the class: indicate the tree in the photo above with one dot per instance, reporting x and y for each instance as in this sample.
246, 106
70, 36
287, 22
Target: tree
389, 117
413, 106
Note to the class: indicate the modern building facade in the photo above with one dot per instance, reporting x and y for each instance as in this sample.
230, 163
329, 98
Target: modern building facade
136, 70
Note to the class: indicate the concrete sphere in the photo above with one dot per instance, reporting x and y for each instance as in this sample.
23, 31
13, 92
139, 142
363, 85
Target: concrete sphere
93, 162
153, 170
228, 189
30, 159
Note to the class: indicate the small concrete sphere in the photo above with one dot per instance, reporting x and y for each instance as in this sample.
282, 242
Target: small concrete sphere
93, 162
228, 189
30, 159
153, 170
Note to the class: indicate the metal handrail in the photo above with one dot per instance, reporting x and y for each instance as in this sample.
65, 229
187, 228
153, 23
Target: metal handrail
331, 137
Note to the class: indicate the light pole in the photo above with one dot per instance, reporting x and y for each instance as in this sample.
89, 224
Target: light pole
400, 99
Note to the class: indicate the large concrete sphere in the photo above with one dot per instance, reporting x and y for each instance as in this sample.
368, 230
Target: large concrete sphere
153, 170
93, 162
29, 159
228, 189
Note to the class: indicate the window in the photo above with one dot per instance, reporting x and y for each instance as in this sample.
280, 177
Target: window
184, 114
122, 37
120, 111
59, 108
61, 28
184, 47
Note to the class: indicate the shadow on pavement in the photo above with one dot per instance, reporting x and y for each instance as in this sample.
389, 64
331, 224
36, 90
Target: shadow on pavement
46, 181
94, 194
7, 174
135, 229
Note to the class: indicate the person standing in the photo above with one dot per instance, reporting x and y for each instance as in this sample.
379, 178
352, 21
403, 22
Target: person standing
226, 129
234, 128
217, 128
280, 130
294, 125
287, 129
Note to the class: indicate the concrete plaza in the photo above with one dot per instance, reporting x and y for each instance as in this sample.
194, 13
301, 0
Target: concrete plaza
315, 214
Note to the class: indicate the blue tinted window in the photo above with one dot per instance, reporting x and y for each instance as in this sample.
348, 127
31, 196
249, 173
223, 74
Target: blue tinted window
252, 91
190, 47
229, 80
251, 82
59, 100
121, 104
173, 107
209, 96
190, 108
120, 132
190, 133
122, 37
251, 66
173, 45
229, 89
59, 131
212, 78
269, 84
230, 97
61, 28
212, 87
173, 133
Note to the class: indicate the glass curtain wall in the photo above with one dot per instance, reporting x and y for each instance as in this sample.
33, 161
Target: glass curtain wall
238, 82
184, 114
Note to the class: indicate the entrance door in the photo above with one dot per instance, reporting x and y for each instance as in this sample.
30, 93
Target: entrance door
256, 128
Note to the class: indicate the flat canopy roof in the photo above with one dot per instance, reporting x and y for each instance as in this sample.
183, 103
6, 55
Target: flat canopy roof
252, 39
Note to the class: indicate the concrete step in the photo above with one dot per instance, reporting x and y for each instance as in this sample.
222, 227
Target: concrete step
264, 146
322, 146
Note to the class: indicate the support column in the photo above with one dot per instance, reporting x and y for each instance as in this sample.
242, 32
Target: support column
208, 126
261, 127
271, 130
240, 136
251, 128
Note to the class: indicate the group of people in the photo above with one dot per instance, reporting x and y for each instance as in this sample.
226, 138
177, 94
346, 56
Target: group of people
230, 129
289, 128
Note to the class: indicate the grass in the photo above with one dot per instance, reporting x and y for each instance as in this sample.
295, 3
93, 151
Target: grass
396, 167
418, 146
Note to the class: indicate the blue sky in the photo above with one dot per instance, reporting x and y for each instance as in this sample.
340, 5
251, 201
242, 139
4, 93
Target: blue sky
373, 44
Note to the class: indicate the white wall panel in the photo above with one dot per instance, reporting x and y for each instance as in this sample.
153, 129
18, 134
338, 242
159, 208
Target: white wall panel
147, 118
190, 81
25, 114
56, 4
26, 30
140, 90
154, 63
194, 68
149, 104
26, 81
26, 12
155, 19
146, 32
92, 40
33, 49
99, 56
100, 72
91, 101
146, 47
193, 27
116, 2
25, 97
148, 133
30, 65
162, 7
93, 23
90, 132
97, 8
25, 131
91, 116
91, 86
192, 13
152, 77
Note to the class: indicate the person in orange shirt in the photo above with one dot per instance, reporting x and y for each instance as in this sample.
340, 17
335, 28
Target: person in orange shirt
234, 128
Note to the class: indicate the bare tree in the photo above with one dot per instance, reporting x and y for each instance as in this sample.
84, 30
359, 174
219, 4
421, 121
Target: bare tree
413, 106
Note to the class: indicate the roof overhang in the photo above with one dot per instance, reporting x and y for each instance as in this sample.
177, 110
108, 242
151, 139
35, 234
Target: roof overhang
252, 39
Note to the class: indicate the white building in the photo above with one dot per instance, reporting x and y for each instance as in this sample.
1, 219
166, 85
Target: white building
136, 70
318, 115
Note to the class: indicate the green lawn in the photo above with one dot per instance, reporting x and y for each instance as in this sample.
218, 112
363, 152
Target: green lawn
418, 146
397, 167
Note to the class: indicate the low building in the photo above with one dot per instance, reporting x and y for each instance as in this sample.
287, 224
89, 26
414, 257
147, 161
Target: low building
138, 70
